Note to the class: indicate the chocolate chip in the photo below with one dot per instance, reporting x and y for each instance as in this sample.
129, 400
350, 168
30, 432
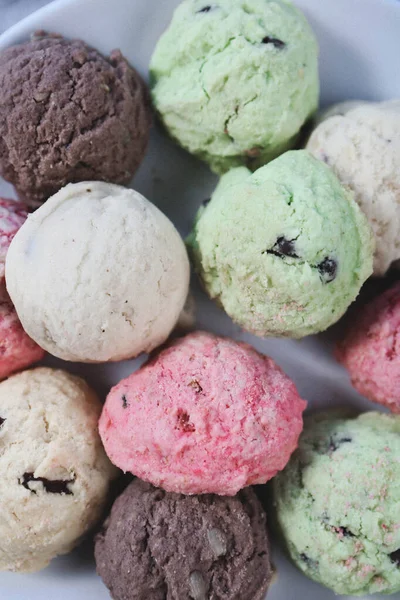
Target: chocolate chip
395, 557
277, 43
196, 386
283, 247
52, 486
335, 444
2, 421
206, 202
346, 532
206, 9
327, 269
183, 422
311, 563
124, 401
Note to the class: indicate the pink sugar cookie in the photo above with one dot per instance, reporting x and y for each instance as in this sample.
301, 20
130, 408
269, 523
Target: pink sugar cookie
371, 350
206, 415
17, 350
12, 216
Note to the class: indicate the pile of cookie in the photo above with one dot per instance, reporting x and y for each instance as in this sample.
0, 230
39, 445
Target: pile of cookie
93, 272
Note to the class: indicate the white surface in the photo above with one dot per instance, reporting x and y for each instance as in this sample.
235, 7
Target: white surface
360, 46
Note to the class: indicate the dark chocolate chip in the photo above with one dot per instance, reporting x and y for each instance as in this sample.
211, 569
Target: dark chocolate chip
124, 401
283, 247
196, 386
52, 486
395, 557
183, 422
277, 43
311, 563
346, 532
206, 9
2, 421
327, 269
335, 444
206, 202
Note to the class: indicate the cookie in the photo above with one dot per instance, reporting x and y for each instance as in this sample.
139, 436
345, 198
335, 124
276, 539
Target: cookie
157, 545
54, 474
284, 250
337, 503
205, 415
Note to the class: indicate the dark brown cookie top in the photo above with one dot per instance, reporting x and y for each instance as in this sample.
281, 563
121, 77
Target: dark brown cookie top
157, 545
69, 114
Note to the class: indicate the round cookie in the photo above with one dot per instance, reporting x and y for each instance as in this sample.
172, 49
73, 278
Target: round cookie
156, 545
206, 415
234, 81
362, 146
284, 250
370, 351
17, 350
54, 474
117, 279
338, 503
12, 216
68, 114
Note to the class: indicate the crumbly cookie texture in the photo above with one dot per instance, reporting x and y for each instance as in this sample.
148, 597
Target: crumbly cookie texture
68, 114
361, 143
371, 350
17, 350
234, 81
205, 415
54, 472
284, 250
338, 502
98, 273
140, 551
12, 216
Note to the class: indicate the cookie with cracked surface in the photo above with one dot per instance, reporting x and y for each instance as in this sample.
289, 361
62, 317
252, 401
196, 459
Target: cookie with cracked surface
370, 351
337, 503
67, 114
240, 84
54, 472
157, 545
284, 250
205, 415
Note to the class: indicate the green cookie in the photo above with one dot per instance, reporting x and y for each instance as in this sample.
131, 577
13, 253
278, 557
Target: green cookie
284, 250
338, 503
234, 81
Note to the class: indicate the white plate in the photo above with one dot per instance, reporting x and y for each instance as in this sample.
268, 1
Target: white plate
360, 50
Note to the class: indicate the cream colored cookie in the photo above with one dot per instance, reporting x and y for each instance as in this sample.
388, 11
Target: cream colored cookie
361, 143
98, 274
54, 474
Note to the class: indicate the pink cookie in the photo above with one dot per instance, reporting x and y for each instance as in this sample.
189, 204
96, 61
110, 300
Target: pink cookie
206, 415
17, 350
371, 350
12, 216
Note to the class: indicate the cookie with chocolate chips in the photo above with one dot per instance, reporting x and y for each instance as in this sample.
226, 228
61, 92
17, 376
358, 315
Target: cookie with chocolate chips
240, 84
157, 545
284, 250
54, 474
337, 502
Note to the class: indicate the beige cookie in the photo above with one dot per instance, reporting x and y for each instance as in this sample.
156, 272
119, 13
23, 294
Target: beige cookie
54, 474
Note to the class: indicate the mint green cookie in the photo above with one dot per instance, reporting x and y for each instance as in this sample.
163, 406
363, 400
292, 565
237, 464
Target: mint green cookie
284, 250
234, 80
338, 503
